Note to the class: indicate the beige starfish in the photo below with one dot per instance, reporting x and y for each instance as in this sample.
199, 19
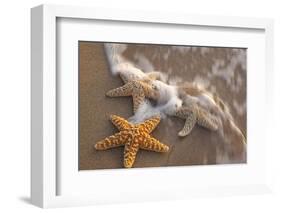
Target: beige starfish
139, 90
194, 114
133, 137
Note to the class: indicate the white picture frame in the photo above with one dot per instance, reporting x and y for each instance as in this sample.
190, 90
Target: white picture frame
44, 150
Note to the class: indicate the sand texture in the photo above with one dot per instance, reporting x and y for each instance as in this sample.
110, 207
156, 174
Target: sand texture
220, 70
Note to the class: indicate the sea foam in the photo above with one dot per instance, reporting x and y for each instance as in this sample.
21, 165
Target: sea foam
169, 98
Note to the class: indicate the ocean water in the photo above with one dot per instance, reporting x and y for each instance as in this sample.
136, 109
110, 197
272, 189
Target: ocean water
218, 72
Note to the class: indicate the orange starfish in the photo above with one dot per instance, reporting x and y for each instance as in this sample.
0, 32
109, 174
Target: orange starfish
133, 137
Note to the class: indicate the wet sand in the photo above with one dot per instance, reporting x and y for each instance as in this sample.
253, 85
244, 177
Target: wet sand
199, 148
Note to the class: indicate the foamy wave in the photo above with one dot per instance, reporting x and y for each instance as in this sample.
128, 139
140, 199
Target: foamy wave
227, 71
114, 55
143, 63
171, 95
148, 110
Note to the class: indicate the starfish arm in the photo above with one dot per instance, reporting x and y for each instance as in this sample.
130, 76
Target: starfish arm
125, 90
149, 125
185, 111
120, 123
112, 141
138, 98
151, 144
130, 153
149, 89
190, 115
207, 120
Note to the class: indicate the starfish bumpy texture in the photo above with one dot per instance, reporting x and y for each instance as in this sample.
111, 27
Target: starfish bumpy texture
138, 89
133, 137
194, 114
